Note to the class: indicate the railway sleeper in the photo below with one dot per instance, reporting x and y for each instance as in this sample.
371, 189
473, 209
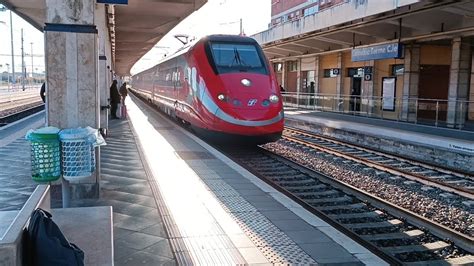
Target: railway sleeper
460, 181
445, 177
367, 214
464, 260
389, 223
321, 194
274, 172
355, 152
298, 183
288, 179
332, 201
308, 189
401, 235
438, 245
424, 172
359, 205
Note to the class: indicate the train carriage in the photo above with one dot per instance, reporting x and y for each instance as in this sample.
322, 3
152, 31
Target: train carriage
222, 85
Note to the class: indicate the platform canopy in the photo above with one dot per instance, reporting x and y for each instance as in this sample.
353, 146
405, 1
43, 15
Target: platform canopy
424, 21
134, 28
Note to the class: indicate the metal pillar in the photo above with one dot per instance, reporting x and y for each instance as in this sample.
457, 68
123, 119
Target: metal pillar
13, 50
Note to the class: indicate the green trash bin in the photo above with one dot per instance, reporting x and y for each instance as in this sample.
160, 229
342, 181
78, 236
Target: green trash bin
45, 154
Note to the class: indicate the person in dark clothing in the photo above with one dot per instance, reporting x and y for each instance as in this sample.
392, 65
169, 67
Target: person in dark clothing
43, 92
114, 99
123, 92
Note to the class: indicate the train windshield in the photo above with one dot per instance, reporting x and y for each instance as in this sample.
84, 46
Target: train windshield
236, 57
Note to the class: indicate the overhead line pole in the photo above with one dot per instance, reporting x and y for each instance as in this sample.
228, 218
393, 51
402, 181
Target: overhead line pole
32, 69
13, 50
23, 67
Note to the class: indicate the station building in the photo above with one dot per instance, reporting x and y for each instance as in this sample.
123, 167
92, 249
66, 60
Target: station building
406, 60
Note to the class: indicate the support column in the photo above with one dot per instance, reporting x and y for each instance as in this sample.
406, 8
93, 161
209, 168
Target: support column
283, 75
470, 114
368, 91
458, 83
104, 42
71, 67
298, 81
411, 79
339, 82
316, 75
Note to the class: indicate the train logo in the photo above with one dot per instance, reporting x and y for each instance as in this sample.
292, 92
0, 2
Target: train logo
252, 102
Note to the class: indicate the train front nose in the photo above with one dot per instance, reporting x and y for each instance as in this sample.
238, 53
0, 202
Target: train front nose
250, 97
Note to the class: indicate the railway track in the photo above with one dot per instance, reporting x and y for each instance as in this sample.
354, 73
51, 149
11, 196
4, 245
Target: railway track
24, 111
447, 180
396, 234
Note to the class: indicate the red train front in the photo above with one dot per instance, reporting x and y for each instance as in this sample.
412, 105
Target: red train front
222, 85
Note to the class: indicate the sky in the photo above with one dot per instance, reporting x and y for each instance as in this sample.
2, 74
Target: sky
31, 35
216, 16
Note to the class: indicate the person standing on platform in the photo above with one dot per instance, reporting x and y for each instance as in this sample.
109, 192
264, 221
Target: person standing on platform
123, 92
43, 92
114, 99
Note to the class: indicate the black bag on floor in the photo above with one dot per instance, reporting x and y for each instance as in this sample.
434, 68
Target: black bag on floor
46, 245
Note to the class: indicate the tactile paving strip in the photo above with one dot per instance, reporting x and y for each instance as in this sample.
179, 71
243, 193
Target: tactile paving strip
287, 254
219, 185
236, 204
274, 244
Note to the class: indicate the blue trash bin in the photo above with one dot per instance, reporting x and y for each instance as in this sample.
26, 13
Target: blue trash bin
78, 156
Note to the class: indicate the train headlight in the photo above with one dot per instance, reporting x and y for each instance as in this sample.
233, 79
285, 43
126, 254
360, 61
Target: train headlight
221, 97
273, 98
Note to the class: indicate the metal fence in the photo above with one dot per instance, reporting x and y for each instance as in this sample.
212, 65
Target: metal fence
436, 112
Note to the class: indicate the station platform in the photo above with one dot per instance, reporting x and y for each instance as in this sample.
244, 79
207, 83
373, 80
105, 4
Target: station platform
176, 200
446, 147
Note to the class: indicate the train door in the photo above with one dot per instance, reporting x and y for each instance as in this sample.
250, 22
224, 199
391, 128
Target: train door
355, 94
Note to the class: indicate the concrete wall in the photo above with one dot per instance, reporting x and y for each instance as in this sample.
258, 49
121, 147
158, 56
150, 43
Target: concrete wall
435, 55
327, 85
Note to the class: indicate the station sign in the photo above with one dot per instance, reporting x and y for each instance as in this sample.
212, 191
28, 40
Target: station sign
382, 51
113, 2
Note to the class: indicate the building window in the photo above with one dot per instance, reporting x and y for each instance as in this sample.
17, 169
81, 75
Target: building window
398, 70
292, 66
311, 10
355, 72
331, 72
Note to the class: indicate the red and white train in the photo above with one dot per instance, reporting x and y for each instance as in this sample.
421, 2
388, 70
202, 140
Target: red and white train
222, 85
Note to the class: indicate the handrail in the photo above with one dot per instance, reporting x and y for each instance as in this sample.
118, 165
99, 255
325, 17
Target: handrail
457, 113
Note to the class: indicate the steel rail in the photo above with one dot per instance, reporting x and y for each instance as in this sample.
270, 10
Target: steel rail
458, 173
4, 120
392, 170
462, 240
338, 226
